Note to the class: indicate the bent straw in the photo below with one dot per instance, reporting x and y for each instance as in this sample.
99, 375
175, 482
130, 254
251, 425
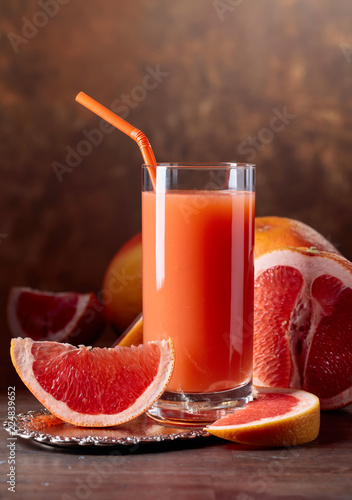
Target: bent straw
125, 127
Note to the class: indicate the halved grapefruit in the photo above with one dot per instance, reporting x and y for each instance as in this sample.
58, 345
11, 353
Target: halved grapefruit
94, 387
303, 323
60, 317
277, 417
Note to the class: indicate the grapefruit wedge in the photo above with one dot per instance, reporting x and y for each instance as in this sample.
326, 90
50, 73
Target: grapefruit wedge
303, 323
94, 387
60, 317
277, 417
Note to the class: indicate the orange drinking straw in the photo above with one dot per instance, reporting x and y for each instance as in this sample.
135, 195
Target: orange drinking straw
125, 127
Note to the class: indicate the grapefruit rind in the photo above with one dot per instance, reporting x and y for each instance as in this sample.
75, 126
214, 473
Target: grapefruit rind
273, 232
23, 359
299, 426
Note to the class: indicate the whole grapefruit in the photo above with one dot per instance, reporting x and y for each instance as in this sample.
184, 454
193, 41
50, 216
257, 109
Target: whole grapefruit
122, 285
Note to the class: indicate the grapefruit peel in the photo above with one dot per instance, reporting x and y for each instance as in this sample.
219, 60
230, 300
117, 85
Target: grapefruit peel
272, 233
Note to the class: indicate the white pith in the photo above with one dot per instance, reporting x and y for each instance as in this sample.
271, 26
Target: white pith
23, 359
310, 268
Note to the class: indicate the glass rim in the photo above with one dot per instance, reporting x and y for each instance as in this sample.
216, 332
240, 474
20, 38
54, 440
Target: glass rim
215, 165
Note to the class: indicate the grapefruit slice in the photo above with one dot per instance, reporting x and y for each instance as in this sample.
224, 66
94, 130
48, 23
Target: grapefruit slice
303, 323
277, 417
58, 317
133, 335
94, 387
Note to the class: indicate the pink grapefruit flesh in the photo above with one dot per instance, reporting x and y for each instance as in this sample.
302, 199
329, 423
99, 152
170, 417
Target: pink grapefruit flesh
94, 386
303, 323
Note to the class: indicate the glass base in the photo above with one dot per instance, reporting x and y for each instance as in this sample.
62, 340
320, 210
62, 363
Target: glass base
198, 409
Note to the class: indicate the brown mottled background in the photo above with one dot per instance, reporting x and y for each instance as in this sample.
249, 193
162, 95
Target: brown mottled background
229, 70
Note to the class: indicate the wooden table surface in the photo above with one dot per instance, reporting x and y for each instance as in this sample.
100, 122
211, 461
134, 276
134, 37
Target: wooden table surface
202, 468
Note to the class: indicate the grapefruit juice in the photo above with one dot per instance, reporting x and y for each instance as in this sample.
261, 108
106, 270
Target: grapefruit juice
198, 272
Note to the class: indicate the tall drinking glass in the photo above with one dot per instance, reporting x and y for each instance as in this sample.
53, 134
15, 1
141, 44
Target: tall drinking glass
198, 285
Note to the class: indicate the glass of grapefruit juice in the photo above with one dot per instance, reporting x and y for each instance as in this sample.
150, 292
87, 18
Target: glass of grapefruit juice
198, 285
